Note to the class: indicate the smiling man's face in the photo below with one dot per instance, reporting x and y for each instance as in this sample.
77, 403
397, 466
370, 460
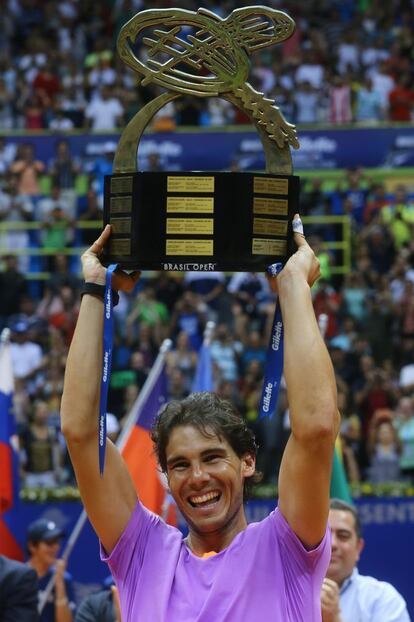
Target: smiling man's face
206, 479
346, 545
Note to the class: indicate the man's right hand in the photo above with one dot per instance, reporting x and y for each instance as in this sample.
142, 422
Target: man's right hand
330, 601
95, 272
302, 263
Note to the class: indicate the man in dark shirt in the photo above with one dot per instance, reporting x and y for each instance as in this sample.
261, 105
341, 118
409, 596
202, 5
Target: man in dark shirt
18, 592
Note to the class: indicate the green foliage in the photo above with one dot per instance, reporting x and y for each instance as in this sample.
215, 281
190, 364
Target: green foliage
263, 491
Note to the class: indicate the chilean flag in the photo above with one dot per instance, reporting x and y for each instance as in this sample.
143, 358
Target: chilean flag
138, 451
9, 483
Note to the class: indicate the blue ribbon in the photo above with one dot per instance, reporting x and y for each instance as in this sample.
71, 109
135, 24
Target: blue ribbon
274, 360
106, 363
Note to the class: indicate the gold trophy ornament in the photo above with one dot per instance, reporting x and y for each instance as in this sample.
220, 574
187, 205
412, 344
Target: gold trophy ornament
202, 220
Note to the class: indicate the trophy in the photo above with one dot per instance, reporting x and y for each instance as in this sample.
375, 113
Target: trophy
202, 220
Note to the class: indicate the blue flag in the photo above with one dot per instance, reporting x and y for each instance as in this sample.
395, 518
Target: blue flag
203, 379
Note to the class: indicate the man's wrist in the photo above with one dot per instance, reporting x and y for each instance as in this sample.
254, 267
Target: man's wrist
98, 291
61, 602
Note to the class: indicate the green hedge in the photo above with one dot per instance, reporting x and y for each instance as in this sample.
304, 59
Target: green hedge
268, 491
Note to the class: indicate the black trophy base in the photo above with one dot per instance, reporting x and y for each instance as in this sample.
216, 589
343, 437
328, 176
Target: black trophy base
199, 221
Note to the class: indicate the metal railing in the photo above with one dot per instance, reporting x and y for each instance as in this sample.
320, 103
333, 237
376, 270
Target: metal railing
341, 247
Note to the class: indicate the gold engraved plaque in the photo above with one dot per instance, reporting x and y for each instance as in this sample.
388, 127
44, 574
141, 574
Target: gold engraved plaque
270, 185
120, 247
189, 247
194, 205
190, 226
121, 225
120, 204
272, 207
268, 247
121, 185
190, 184
267, 226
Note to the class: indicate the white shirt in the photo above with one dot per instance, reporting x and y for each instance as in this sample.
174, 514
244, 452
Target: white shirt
310, 73
365, 599
104, 113
26, 357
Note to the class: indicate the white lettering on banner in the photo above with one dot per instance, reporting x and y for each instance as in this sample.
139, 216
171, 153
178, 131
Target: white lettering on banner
276, 336
385, 513
267, 397
146, 147
101, 430
307, 143
321, 144
405, 141
251, 145
108, 306
105, 368
182, 267
164, 148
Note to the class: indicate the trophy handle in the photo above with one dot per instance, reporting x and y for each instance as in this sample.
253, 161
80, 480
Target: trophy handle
125, 160
278, 159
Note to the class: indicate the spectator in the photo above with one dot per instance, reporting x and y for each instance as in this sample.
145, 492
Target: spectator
6, 107
184, 358
48, 204
15, 208
401, 100
340, 101
59, 122
92, 212
43, 542
100, 607
405, 428
42, 455
347, 595
104, 112
27, 356
368, 103
225, 352
13, 286
28, 170
64, 169
384, 449
46, 86
57, 233
18, 592
306, 103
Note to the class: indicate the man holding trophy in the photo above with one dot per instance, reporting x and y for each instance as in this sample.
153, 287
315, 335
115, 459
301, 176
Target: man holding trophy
224, 570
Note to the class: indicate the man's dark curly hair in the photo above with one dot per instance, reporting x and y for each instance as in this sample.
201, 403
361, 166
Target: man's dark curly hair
212, 416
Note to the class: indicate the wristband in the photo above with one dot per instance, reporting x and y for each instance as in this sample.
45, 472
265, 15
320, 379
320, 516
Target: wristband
61, 601
94, 289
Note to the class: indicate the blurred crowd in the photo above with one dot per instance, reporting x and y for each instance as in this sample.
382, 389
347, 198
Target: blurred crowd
59, 70
366, 315
349, 60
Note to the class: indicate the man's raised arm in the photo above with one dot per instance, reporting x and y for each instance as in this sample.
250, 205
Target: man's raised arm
109, 500
305, 471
